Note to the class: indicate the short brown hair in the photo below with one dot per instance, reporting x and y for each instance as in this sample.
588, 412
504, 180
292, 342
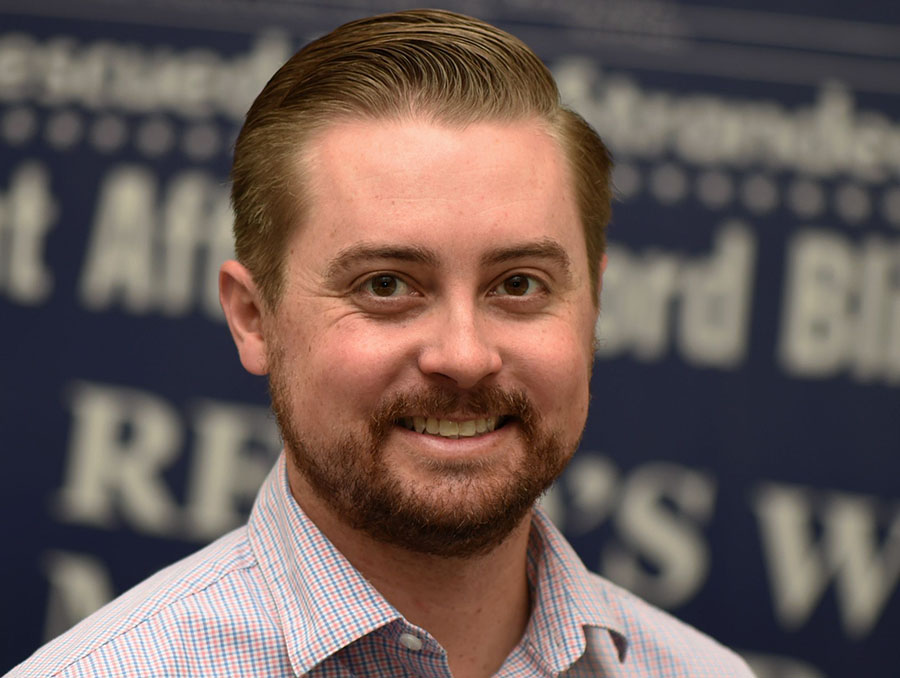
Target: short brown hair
444, 66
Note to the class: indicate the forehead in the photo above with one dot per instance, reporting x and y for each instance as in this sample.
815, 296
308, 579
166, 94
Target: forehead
415, 180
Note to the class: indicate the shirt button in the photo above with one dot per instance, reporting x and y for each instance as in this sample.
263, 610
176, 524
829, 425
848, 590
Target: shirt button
410, 642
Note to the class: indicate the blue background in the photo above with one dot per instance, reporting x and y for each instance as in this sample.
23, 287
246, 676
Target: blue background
756, 495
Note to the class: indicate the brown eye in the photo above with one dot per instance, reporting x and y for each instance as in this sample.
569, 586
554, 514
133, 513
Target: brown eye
386, 286
517, 285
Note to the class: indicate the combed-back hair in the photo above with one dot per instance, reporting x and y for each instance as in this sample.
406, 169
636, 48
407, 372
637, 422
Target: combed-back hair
428, 64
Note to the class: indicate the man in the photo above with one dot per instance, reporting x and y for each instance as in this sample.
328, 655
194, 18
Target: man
419, 230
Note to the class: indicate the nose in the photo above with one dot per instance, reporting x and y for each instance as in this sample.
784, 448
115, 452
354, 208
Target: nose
459, 349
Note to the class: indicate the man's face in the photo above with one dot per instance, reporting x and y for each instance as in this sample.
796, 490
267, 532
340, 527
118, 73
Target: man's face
439, 279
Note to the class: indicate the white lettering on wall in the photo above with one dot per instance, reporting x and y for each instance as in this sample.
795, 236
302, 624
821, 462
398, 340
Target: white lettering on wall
121, 441
106, 74
27, 211
151, 252
716, 300
593, 483
119, 260
841, 307
231, 456
779, 666
810, 540
124, 442
219, 246
828, 137
196, 238
658, 520
636, 303
79, 585
657, 511
707, 299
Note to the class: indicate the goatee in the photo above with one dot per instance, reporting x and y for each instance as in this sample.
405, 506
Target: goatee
468, 508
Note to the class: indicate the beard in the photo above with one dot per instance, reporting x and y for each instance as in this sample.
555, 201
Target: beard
467, 509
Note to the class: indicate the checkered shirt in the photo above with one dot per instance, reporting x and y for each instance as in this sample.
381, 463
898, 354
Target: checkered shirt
275, 598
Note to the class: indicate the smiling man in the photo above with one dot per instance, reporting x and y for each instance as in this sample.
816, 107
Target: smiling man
429, 358
419, 231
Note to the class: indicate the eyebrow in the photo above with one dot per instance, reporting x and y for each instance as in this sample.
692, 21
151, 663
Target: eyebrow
350, 256
545, 248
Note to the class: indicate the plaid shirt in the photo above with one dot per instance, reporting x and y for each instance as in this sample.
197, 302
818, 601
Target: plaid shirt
275, 598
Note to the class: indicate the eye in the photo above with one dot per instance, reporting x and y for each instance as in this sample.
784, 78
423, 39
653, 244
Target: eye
384, 285
518, 286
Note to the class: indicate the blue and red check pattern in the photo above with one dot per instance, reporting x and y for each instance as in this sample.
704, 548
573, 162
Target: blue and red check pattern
275, 598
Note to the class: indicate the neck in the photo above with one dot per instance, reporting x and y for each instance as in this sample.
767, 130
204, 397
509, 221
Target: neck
477, 607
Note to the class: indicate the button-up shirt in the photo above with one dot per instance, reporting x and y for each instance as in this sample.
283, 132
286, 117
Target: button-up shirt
276, 598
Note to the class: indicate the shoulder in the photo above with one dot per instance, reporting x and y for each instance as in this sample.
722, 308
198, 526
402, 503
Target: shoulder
659, 644
214, 591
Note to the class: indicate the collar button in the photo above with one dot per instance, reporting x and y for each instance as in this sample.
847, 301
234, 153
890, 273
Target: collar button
411, 642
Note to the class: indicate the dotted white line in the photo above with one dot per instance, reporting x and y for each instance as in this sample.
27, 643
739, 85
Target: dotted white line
852, 203
668, 183
155, 137
201, 142
759, 193
18, 125
63, 130
108, 133
890, 206
626, 180
715, 189
806, 198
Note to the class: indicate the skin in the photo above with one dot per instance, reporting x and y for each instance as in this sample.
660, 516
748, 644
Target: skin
501, 297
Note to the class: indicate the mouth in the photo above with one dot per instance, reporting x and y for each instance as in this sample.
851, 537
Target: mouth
452, 428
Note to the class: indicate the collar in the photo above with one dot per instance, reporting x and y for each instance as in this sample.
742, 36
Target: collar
573, 610
324, 604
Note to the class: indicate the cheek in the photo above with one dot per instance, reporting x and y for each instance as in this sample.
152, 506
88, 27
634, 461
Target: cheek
558, 371
351, 365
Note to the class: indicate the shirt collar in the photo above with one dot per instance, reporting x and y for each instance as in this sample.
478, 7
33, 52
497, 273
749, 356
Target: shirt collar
568, 602
323, 602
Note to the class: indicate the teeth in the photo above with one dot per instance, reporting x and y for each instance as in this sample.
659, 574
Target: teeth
418, 424
447, 428
466, 429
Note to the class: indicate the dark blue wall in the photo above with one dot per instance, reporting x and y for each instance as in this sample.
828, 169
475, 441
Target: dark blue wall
742, 461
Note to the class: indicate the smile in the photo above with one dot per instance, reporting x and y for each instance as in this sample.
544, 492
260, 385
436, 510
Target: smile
449, 428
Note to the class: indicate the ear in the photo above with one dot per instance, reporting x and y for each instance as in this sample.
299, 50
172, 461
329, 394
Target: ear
243, 308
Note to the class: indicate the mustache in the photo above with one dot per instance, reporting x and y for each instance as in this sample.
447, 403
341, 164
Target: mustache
442, 403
